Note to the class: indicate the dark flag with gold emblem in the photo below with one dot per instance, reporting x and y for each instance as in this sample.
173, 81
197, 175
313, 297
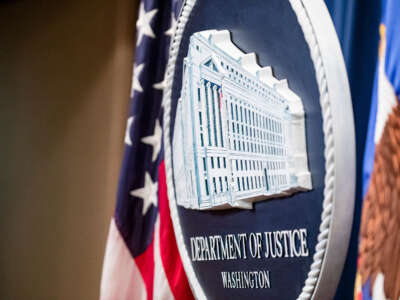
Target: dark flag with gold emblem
378, 274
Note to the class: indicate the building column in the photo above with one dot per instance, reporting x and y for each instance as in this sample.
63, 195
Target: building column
217, 116
223, 120
285, 133
210, 113
204, 111
230, 127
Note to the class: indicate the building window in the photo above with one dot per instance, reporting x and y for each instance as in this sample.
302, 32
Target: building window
214, 113
212, 162
206, 185
202, 139
238, 183
237, 115
215, 185
200, 118
220, 184
220, 122
224, 162
218, 163
204, 164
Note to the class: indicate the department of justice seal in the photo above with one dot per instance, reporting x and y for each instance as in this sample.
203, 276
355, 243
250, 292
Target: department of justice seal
259, 149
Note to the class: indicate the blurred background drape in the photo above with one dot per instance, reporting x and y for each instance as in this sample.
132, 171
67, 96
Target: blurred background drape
65, 70
357, 25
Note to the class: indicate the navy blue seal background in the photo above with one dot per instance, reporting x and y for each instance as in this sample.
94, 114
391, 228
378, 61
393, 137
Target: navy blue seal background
270, 29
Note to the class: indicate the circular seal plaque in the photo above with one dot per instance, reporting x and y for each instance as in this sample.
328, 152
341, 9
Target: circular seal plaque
259, 149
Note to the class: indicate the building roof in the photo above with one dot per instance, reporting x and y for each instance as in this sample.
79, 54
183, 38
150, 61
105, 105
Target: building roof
221, 39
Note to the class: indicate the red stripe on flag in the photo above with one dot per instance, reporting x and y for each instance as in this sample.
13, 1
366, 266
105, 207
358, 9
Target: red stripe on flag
145, 264
169, 250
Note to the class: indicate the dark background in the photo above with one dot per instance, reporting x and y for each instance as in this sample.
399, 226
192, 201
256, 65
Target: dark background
65, 71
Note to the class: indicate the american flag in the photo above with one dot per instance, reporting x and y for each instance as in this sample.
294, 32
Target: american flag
142, 259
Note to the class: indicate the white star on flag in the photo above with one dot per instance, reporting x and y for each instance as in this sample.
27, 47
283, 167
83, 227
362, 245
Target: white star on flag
154, 140
143, 23
136, 86
128, 139
148, 193
160, 85
170, 32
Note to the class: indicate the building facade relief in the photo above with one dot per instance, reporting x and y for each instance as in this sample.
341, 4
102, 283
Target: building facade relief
239, 133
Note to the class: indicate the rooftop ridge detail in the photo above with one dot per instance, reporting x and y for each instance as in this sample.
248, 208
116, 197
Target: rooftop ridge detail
248, 61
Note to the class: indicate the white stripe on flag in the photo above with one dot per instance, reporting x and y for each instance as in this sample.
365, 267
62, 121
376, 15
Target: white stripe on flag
161, 289
378, 291
121, 278
386, 100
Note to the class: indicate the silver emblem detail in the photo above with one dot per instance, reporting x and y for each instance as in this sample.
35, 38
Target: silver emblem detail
239, 132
